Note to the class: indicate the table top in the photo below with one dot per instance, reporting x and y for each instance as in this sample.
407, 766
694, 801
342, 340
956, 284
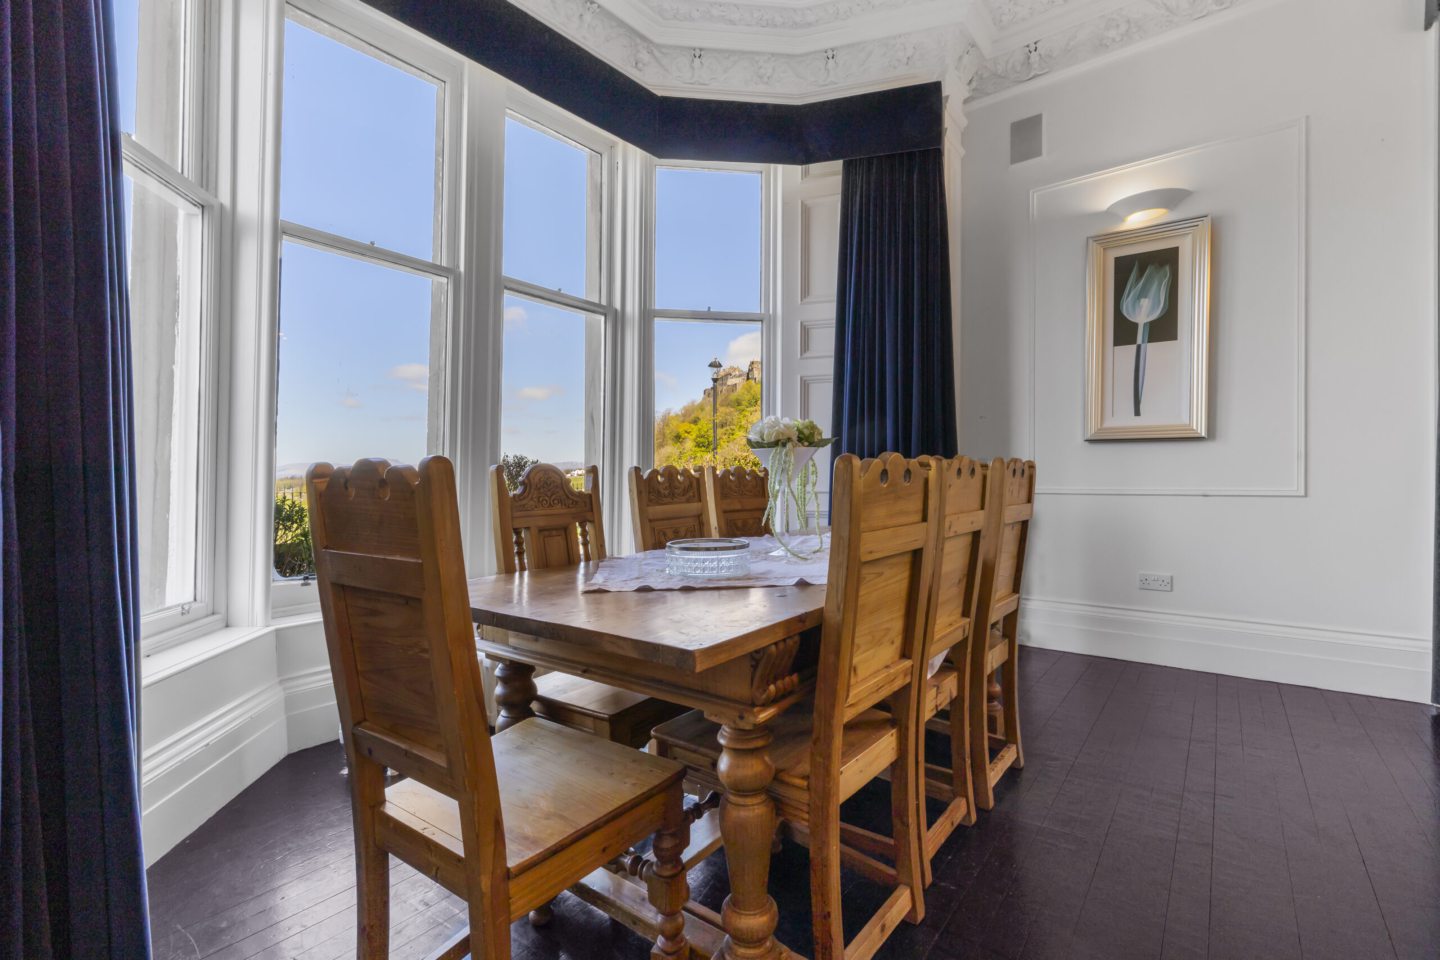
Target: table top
692, 630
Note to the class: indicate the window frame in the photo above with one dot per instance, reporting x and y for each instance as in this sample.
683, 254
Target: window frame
372, 34
186, 185
599, 307
767, 316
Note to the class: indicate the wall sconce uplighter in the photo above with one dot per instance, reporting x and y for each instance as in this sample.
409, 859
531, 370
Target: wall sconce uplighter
1151, 205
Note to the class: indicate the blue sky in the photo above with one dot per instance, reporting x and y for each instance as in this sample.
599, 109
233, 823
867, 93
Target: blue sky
358, 159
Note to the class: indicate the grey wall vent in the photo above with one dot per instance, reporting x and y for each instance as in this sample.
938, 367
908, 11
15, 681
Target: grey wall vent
1027, 139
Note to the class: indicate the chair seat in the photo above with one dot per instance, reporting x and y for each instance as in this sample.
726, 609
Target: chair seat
871, 744
556, 785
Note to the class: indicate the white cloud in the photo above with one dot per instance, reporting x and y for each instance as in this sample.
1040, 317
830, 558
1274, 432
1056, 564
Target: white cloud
539, 393
515, 316
351, 399
416, 376
743, 349
666, 379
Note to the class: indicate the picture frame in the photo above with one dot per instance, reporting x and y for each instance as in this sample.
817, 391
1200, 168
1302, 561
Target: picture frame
1148, 332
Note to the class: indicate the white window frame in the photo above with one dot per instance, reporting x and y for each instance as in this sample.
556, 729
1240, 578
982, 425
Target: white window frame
186, 184
374, 35
598, 306
769, 294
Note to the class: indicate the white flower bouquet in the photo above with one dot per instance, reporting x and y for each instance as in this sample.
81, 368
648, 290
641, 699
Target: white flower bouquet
793, 479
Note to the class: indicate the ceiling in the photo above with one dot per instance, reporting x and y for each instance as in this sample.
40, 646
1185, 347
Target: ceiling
803, 50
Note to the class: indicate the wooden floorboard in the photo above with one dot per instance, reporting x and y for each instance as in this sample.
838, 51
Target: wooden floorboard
1162, 813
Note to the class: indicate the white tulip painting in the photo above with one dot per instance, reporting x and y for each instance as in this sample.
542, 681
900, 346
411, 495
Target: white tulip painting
1147, 332
1146, 298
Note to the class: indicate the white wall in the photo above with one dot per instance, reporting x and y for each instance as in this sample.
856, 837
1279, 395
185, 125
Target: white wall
1299, 535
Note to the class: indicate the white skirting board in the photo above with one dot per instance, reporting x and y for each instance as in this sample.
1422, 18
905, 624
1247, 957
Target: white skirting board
190, 776
1376, 665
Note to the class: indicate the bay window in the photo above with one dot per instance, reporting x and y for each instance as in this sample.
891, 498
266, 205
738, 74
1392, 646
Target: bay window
406, 255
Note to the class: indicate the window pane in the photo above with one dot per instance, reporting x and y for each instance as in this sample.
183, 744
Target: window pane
359, 145
163, 241
685, 431
150, 65
707, 240
547, 210
543, 410
354, 378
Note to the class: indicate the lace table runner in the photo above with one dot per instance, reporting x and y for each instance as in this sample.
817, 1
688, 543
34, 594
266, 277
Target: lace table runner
646, 571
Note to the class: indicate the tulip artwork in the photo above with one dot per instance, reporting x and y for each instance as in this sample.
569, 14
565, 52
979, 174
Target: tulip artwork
1146, 298
1147, 328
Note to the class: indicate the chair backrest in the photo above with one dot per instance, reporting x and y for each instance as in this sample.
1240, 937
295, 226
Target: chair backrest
669, 503
1015, 485
882, 558
738, 497
546, 522
966, 488
392, 589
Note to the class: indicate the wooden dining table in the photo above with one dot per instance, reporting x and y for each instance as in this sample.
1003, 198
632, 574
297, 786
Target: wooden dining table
742, 656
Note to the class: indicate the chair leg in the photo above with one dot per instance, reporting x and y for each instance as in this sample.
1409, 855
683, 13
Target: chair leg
826, 923
962, 777
978, 708
667, 884
372, 867
907, 798
1010, 682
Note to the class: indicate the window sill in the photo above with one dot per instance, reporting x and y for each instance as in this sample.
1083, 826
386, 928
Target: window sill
166, 662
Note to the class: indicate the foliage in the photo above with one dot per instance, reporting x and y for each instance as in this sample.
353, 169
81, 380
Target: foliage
683, 437
293, 554
514, 466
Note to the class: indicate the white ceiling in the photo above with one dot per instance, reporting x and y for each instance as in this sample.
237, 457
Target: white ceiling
801, 50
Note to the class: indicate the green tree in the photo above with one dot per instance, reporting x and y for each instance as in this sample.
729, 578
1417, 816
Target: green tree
294, 556
514, 465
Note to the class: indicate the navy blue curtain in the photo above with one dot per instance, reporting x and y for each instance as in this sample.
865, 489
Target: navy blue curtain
72, 881
894, 366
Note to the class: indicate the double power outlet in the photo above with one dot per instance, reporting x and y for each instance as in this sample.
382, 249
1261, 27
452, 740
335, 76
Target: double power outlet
1157, 581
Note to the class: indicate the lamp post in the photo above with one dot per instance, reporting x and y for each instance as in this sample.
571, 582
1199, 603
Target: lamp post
715, 412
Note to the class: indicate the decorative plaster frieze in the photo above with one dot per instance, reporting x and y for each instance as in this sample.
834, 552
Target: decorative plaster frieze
703, 71
1112, 31
769, 16
738, 57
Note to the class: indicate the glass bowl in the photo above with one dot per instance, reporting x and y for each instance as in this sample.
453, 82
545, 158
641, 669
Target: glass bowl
707, 557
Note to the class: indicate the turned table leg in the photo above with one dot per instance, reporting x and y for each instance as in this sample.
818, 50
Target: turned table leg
514, 692
747, 823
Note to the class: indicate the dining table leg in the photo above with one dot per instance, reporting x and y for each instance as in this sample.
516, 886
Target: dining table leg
747, 824
514, 692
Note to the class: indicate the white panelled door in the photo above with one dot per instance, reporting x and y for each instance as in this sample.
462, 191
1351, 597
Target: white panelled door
810, 232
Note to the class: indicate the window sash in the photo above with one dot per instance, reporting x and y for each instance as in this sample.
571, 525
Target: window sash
168, 625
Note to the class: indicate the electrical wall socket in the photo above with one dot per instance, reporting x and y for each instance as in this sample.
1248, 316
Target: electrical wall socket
1157, 581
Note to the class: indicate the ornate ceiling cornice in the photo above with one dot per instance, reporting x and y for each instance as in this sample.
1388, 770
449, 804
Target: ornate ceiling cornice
797, 51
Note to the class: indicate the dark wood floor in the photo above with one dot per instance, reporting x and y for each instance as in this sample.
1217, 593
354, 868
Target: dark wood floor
1161, 813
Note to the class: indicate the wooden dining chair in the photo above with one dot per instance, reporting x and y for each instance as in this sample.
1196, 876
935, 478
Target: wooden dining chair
965, 491
504, 822
871, 653
547, 523
994, 658
669, 503
738, 498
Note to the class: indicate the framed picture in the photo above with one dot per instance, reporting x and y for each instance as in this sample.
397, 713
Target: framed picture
1147, 332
